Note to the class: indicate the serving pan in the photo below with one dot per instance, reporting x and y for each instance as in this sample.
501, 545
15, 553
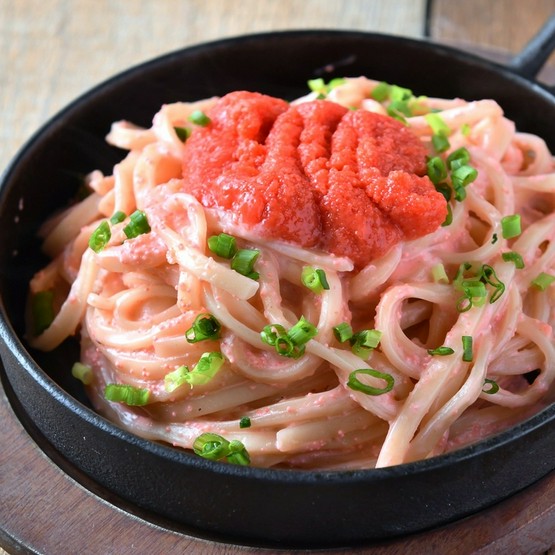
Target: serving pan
226, 502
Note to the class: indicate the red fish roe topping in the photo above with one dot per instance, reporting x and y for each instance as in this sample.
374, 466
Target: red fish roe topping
348, 182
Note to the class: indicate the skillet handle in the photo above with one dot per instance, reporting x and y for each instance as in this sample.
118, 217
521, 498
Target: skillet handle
533, 56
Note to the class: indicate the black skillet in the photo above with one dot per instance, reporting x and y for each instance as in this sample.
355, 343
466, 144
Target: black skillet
226, 502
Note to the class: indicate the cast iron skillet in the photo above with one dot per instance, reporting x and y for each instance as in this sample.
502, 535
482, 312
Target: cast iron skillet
242, 504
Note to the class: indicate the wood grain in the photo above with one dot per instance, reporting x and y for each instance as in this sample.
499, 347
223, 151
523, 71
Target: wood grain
51, 51
54, 50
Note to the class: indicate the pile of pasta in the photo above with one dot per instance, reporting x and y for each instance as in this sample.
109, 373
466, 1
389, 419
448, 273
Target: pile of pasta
461, 319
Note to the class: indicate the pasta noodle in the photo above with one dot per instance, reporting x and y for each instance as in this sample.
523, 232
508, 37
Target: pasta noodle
463, 320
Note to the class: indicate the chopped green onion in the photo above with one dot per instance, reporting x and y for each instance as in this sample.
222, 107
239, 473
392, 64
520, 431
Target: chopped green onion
437, 171
175, 379
543, 281
449, 218
271, 333
183, 133
211, 446
82, 372
204, 327
490, 277
494, 239
243, 262
467, 348
198, 117
238, 453
363, 342
354, 383
205, 369
397, 93
380, 92
117, 217
463, 176
335, 82
127, 394
223, 245
343, 332
445, 190
458, 158
465, 129
493, 387
42, 309
440, 142
138, 225
245, 422
437, 124
215, 447
515, 258
100, 236
439, 274
289, 343
316, 85
441, 351
302, 332
510, 226
315, 279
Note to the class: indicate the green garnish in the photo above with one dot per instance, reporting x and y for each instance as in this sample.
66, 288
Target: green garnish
127, 394
215, 447
314, 279
82, 372
245, 422
198, 117
100, 236
42, 310
467, 348
138, 225
343, 332
243, 262
493, 387
117, 217
289, 343
183, 133
543, 281
223, 245
204, 327
510, 226
354, 383
441, 351
515, 258
205, 369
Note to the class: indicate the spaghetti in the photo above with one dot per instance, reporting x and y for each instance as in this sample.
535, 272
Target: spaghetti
202, 328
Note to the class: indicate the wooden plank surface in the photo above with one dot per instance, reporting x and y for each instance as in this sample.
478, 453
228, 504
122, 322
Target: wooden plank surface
53, 50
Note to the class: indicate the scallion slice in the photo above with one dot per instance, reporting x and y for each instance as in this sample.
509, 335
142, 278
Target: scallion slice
243, 262
468, 354
42, 310
245, 422
100, 236
510, 226
314, 279
441, 351
543, 281
204, 327
117, 217
82, 372
343, 332
198, 117
463, 176
380, 92
316, 85
215, 447
458, 158
440, 142
515, 258
437, 171
206, 368
127, 394
183, 133
354, 383
437, 124
223, 245
363, 342
439, 275
138, 225
302, 332
493, 387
